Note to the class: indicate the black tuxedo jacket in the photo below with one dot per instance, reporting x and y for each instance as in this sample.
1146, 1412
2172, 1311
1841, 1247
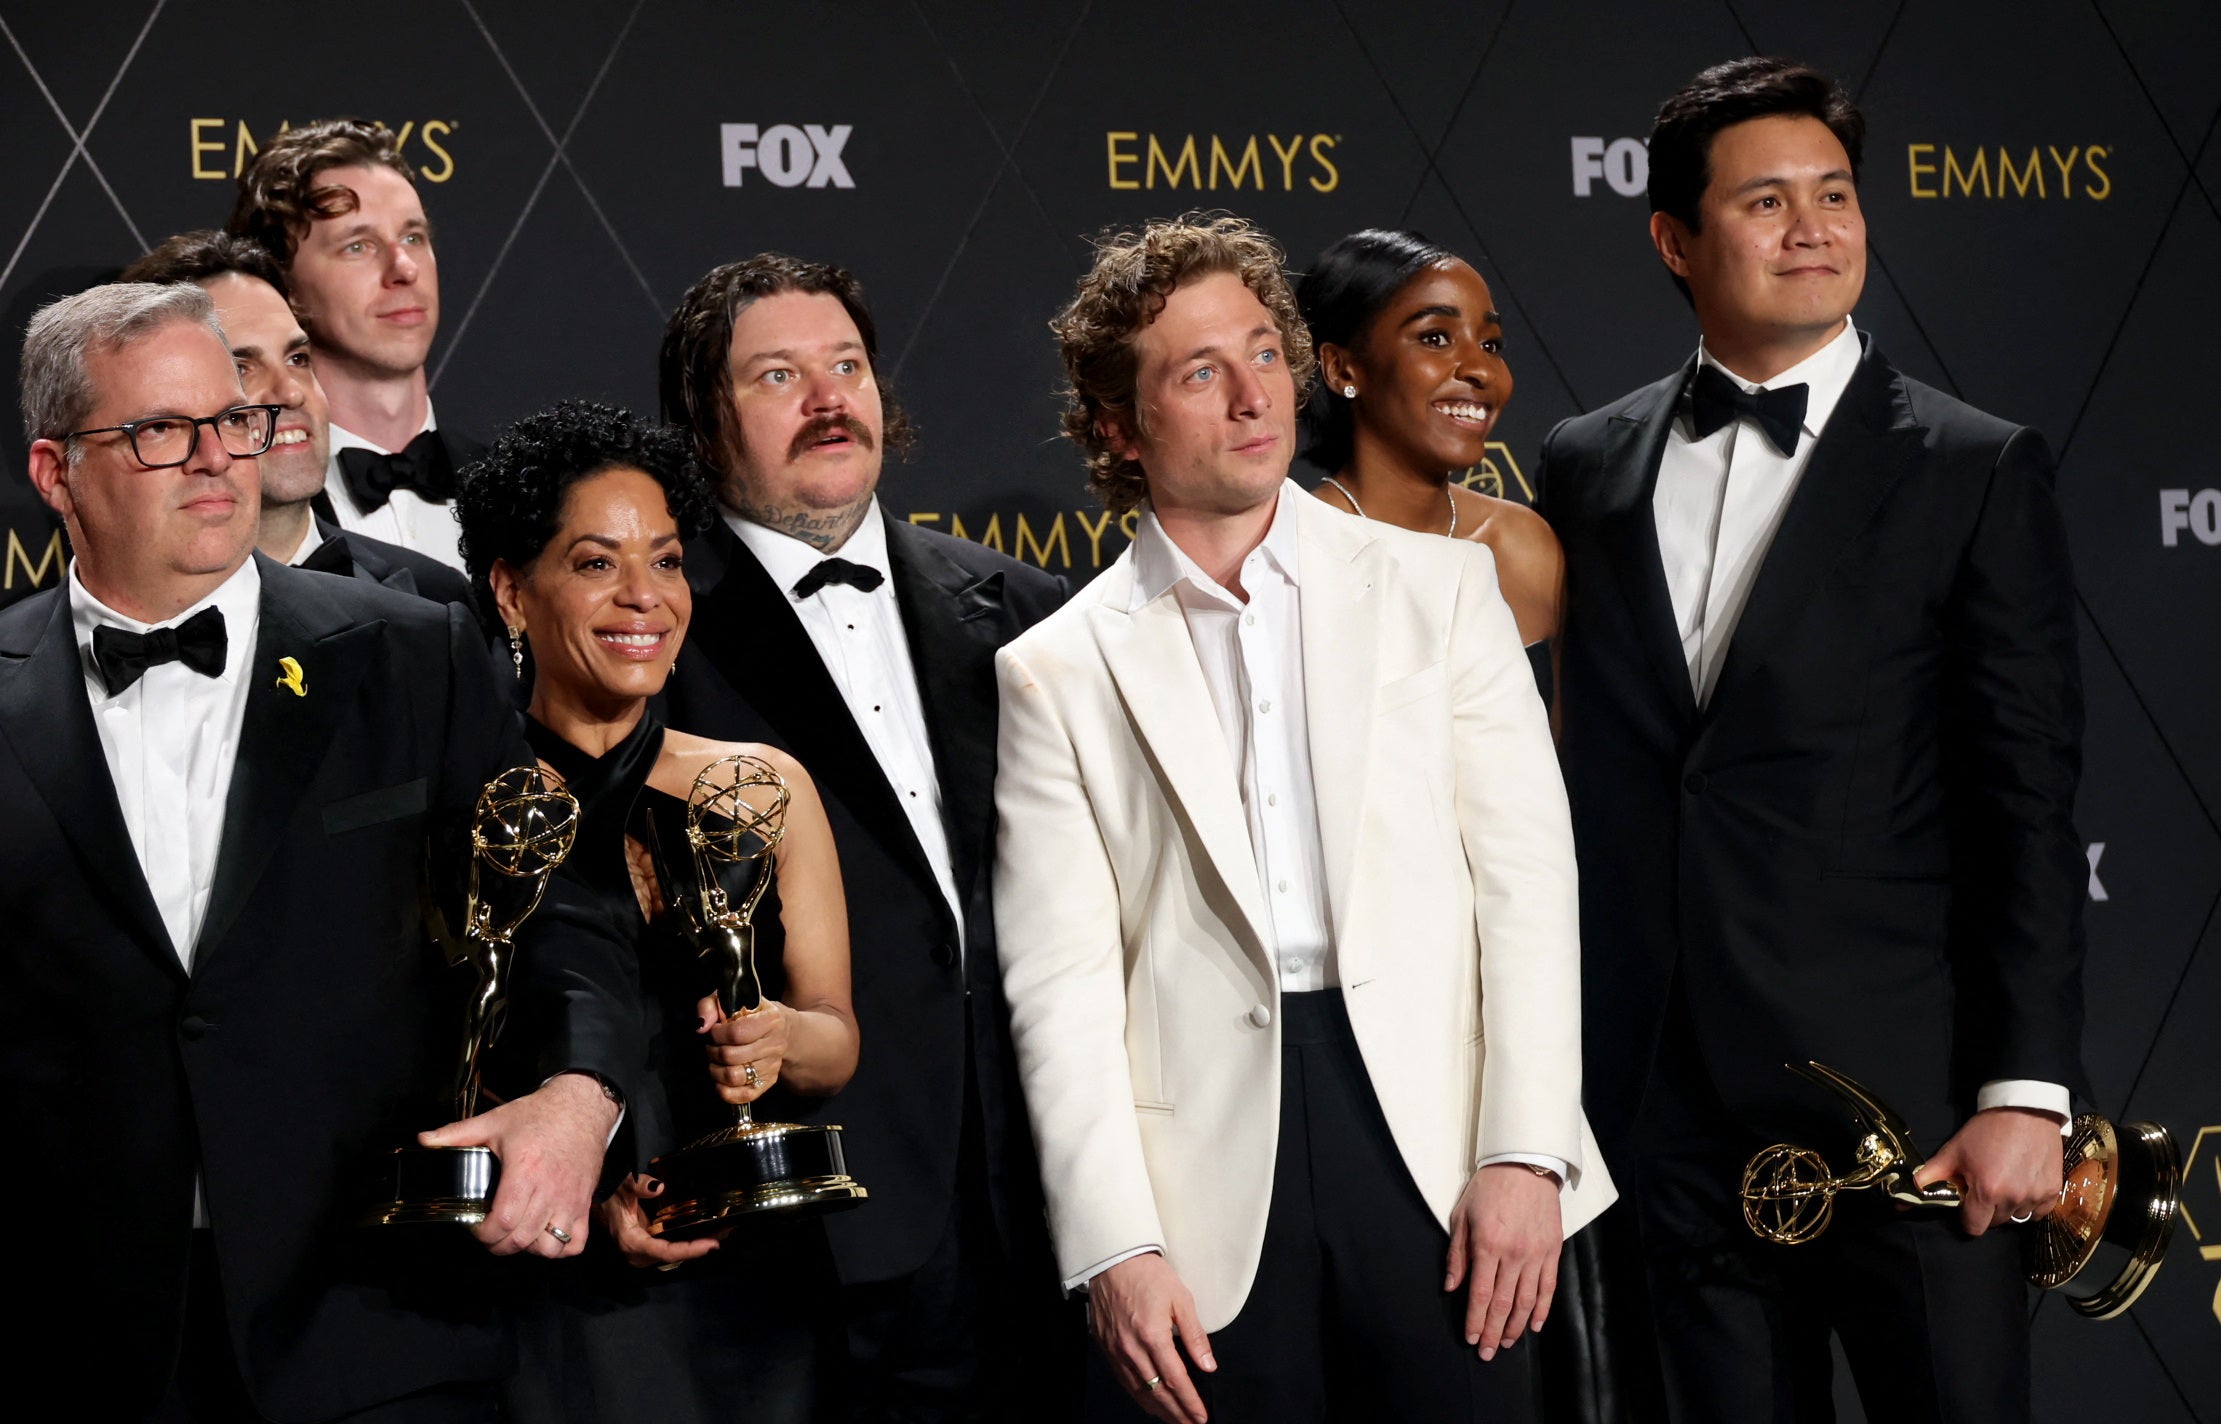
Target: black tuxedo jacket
316, 1032
903, 1110
1860, 851
401, 569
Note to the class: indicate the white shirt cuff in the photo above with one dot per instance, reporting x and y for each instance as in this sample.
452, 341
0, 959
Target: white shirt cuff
1079, 1282
620, 1122
1559, 1165
2029, 1093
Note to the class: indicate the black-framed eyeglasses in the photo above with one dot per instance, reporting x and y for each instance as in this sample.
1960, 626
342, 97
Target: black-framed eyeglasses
162, 441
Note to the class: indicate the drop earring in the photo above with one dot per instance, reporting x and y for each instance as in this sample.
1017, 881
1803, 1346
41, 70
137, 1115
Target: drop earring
516, 652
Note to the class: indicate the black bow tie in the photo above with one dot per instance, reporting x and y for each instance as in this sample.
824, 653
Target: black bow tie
124, 657
837, 571
330, 557
423, 466
1715, 400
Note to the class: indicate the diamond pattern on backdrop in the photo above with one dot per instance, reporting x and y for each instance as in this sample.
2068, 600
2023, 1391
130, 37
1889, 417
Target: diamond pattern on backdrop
573, 157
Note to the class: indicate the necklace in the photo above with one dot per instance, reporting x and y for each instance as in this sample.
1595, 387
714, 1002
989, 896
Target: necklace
1361, 514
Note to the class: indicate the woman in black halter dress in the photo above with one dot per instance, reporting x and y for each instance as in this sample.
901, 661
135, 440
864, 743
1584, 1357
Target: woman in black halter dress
572, 524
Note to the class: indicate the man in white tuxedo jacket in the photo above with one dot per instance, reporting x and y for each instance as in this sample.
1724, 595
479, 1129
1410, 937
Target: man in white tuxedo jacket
1285, 899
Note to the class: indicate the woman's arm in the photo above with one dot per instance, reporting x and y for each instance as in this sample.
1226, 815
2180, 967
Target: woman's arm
809, 1041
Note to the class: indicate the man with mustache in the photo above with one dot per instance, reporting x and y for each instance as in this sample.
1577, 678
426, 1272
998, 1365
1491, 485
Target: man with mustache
336, 204
275, 364
865, 645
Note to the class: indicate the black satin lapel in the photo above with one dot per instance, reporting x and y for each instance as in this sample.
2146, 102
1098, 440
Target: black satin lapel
285, 735
742, 620
46, 718
1628, 529
953, 619
1869, 445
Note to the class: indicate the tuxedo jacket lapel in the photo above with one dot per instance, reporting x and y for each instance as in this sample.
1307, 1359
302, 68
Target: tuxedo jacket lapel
952, 619
1628, 529
1869, 445
743, 620
1152, 659
1342, 579
46, 718
285, 734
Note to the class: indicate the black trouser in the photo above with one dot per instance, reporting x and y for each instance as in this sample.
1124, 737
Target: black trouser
1347, 1319
1934, 1323
969, 1335
206, 1387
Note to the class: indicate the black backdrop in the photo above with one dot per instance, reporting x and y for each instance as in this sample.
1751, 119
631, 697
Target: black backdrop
2041, 186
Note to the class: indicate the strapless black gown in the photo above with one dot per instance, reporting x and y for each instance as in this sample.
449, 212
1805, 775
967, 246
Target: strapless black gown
747, 1333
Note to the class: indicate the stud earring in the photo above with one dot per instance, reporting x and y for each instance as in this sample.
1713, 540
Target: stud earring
516, 652
1349, 393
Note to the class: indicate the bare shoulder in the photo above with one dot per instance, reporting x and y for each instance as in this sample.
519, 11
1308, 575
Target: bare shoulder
685, 757
1513, 532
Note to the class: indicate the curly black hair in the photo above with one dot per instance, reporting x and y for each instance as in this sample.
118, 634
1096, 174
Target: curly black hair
510, 499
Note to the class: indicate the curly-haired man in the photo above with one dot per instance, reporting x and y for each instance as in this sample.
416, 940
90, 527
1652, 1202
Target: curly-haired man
1282, 844
336, 204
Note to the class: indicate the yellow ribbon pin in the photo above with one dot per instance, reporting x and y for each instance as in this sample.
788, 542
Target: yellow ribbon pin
290, 676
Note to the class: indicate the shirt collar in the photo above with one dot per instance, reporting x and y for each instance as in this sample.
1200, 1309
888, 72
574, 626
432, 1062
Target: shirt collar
240, 598
344, 439
1161, 565
310, 543
787, 558
1825, 374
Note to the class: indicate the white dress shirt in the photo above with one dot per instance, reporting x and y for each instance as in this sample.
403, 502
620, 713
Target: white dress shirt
1718, 504
407, 518
1252, 659
311, 541
860, 639
170, 740
1251, 654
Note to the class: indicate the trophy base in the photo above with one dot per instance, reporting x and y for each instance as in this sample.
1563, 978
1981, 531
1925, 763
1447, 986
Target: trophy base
436, 1186
751, 1170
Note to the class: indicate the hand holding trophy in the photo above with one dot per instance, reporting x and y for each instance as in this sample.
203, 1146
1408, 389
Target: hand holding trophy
521, 829
2122, 1189
748, 1167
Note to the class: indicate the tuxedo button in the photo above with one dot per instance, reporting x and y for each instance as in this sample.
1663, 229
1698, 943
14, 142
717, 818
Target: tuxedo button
944, 955
1259, 1016
194, 1027
1695, 782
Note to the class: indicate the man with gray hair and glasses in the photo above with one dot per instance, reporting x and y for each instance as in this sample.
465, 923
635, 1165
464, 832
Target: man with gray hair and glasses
218, 1008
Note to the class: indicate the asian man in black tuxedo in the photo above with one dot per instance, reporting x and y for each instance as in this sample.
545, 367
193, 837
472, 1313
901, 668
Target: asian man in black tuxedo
865, 646
275, 365
1821, 731
219, 1011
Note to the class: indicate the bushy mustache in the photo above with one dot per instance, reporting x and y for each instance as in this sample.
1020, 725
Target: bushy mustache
825, 425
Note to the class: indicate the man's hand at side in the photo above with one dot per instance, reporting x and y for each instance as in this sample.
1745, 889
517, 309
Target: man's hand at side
1504, 1239
1141, 1314
2007, 1162
550, 1144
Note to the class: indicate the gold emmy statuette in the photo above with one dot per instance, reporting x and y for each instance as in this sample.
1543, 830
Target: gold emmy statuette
521, 830
2121, 1194
747, 1168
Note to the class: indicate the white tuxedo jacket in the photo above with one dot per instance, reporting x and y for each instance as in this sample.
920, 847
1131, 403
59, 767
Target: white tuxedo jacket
1135, 945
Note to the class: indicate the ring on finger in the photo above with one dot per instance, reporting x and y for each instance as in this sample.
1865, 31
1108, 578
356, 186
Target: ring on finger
2021, 1218
754, 1078
562, 1237
1152, 1382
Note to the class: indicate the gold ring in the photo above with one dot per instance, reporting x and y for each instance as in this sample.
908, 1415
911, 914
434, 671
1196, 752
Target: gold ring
1152, 1382
754, 1078
559, 1233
